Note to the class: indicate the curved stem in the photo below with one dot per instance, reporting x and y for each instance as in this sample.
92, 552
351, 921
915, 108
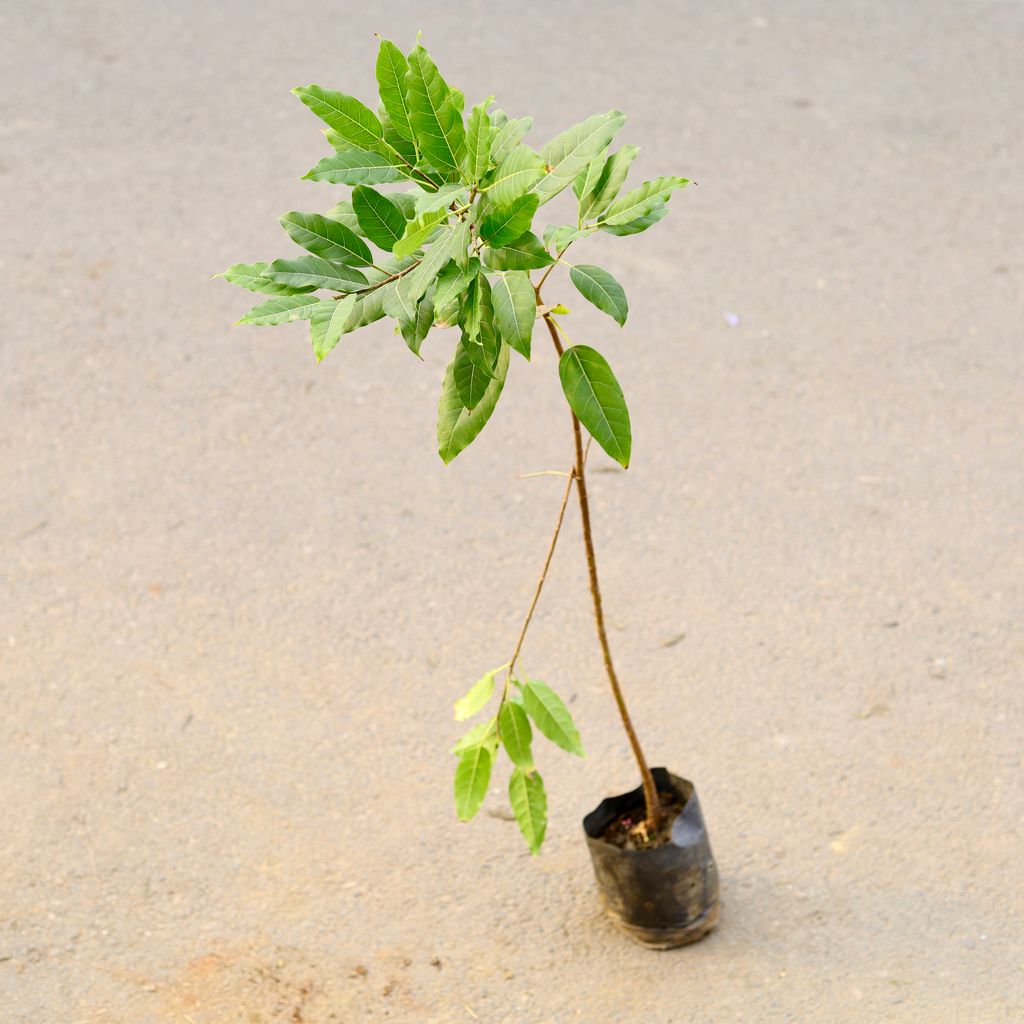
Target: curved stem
540, 583
380, 284
544, 276
412, 167
651, 801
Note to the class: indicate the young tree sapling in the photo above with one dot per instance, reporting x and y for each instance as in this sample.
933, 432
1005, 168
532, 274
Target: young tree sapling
454, 246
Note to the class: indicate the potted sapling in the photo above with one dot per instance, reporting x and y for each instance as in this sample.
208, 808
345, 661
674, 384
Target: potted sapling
438, 230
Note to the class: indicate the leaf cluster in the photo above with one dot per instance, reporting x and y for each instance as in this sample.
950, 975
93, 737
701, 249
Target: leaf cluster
438, 231
510, 730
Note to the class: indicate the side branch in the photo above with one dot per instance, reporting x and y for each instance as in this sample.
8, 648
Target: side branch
540, 582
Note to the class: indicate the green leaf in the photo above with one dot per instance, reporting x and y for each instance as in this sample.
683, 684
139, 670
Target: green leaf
381, 219
507, 136
399, 301
530, 806
514, 176
472, 776
525, 253
595, 200
452, 283
641, 201
327, 238
551, 716
368, 308
478, 142
559, 238
505, 224
483, 734
434, 113
351, 119
589, 176
402, 150
419, 231
595, 397
478, 324
406, 201
485, 347
457, 428
429, 202
476, 696
516, 734
315, 272
450, 244
337, 141
415, 331
355, 167
569, 153
515, 309
600, 288
460, 242
281, 310
328, 324
251, 276
471, 381
344, 214
634, 227
392, 69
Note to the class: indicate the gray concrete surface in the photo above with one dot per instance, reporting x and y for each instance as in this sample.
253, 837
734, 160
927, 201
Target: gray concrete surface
240, 591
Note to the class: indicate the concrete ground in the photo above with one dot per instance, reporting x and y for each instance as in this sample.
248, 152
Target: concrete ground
240, 591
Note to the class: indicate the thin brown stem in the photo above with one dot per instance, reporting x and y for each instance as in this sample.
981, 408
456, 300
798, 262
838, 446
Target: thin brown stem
380, 284
540, 582
651, 801
544, 276
416, 172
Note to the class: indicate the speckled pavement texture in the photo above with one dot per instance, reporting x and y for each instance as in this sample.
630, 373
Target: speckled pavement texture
239, 592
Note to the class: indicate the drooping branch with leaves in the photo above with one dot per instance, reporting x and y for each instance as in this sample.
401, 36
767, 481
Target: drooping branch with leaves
452, 246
